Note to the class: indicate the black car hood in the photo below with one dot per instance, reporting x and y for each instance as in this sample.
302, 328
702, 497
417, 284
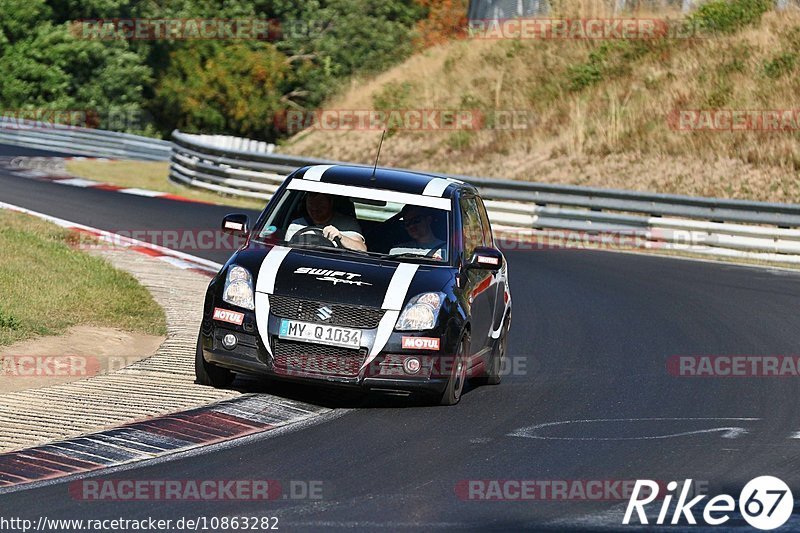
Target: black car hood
331, 277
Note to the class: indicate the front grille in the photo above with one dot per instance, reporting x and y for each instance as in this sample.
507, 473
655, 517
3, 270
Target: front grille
307, 358
352, 316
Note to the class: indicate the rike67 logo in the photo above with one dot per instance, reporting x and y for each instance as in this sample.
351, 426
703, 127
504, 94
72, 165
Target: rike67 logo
765, 503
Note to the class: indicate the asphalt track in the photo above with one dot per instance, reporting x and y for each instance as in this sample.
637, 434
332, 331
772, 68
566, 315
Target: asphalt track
591, 336
7, 150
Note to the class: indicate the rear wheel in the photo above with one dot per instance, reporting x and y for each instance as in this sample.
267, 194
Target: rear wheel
494, 370
494, 374
210, 374
458, 375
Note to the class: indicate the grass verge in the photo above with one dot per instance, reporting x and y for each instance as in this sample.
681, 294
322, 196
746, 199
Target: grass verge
603, 112
152, 175
47, 286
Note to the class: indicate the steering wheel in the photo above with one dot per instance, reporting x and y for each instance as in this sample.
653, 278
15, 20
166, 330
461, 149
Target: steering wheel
433, 251
314, 236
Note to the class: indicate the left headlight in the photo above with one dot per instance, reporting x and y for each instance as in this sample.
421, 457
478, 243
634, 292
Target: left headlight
239, 288
421, 312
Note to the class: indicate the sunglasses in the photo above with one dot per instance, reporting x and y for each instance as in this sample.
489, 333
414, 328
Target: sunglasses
412, 221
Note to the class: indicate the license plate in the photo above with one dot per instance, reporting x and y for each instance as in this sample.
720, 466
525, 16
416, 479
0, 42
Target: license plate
321, 334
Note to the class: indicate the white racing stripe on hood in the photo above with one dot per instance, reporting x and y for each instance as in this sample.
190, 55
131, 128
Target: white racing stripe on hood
269, 269
315, 173
262, 318
385, 328
393, 301
265, 284
398, 286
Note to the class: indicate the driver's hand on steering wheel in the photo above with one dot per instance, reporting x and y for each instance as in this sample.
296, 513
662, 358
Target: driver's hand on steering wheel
331, 233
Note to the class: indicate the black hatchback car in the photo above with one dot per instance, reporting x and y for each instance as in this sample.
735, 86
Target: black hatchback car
355, 277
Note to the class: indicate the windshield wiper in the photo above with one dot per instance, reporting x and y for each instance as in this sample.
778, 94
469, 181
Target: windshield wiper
325, 248
412, 254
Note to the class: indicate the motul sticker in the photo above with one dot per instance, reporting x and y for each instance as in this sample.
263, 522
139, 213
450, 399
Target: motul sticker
420, 343
237, 226
225, 315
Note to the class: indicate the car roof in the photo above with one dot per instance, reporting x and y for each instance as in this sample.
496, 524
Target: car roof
385, 178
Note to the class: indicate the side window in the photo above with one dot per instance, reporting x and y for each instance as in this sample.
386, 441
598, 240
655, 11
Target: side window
473, 228
488, 239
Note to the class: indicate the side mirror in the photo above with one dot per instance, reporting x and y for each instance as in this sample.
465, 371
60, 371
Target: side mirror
236, 224
486, 258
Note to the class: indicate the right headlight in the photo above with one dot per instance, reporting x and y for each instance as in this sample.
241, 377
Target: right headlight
421, 312
239, 288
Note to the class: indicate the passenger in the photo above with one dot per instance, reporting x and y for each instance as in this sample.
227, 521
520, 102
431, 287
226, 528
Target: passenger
334, 226
417, 221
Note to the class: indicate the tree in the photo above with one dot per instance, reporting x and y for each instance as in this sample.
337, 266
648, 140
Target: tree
445, 20
235, 89
53, 69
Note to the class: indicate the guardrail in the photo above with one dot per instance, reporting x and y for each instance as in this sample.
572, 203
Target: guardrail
84, 141
708, 226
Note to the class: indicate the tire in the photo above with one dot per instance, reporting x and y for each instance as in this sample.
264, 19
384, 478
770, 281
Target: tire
494, 375
210, 374
458, 375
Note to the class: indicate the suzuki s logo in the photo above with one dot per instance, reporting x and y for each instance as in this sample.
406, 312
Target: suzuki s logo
324, 312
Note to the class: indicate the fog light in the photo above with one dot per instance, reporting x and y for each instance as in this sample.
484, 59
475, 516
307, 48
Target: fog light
411, 365
229, 341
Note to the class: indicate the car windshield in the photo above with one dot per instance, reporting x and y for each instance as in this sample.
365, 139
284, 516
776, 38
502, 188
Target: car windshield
403, 231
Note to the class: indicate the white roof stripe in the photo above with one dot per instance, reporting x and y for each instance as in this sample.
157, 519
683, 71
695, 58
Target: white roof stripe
436, 187
370, 194
315, 173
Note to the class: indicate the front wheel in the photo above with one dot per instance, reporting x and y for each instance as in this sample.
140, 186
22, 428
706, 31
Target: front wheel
210, 374
458, 375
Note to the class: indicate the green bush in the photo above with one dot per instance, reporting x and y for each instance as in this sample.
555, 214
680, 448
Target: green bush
394, 95
781, 65
8, 321
729, 15
609, 60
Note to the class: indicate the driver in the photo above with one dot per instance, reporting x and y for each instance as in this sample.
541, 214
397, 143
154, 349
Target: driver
417, 221
321, 214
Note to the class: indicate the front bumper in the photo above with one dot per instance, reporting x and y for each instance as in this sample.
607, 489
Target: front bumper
385, 372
